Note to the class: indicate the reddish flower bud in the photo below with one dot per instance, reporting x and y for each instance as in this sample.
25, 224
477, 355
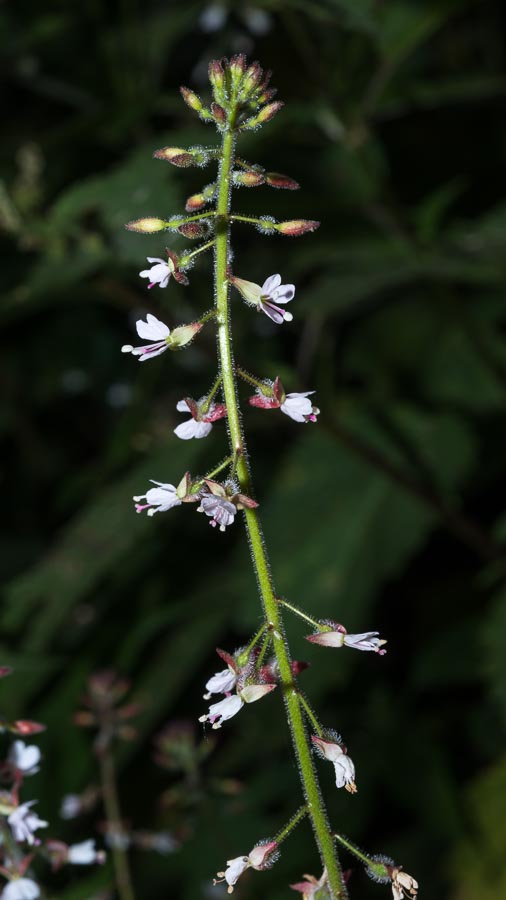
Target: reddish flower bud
297, 227
249, 179
25, 726
276, 180
149, 225
268, 112
195, 202
175, 155
219, 114
191, 99
4, 671
192, 230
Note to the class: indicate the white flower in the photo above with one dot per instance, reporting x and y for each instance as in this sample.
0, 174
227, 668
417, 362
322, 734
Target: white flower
221, 683
70, 806
20, 889
267, 296
403, 885
158, 499
151, 330
202, 418
261, 857
24, 757
343, 766
367, 640
299, 408
24, 823
158, 274
225, 709
220, 510
82, 854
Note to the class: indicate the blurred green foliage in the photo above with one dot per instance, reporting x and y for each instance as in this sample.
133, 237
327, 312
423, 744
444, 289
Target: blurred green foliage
389, 514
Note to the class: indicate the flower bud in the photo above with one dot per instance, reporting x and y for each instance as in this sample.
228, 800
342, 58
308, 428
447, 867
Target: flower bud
219, 114
217, 79
191, 99
252, 78
276, 180
261, 855
183, 335
268, 112
175, 155
296, 227
237, 67
192, 230
195, 202
25, 726
248, 179
148, 226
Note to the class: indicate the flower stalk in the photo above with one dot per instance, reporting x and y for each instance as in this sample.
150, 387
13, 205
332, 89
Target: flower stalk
271, 607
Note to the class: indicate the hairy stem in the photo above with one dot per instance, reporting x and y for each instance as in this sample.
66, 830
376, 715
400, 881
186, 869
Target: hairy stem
114, 824
272, 612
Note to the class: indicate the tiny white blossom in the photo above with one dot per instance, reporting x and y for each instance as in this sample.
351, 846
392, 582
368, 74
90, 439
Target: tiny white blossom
157, 274
225, 709
261, 857
158, 499
83, 854
220, 511
338, 637
266, 297
151, 330
221, 683
343, 765
24, 823
299, 408
192, 428
24, 757
20, 889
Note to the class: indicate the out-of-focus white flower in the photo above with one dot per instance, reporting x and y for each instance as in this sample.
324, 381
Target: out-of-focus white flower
339, 637
202, 419
265, 297
221, 683
24, 757
159, 273
261, 857
213, 17
70, 806
20, 889
299, 408
84, 854
24, 823
158, 499
151, 330
336, 753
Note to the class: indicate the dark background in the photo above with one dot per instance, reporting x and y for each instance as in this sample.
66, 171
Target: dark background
388, 514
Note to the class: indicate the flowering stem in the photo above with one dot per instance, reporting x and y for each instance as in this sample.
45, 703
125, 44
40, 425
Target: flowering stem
255, 382
207, 316
298, 612
114, 824
310, 714
291, 824
202, 249
352, 848
243, 657
270, 604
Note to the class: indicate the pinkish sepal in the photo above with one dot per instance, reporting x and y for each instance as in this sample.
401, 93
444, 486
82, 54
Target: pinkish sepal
228, 659
260, 855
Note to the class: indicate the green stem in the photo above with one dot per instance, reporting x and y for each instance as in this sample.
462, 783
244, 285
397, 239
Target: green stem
207, 316
271, 607
352, 849
216, 386
243, 657
310, 714
114, 824
255, 382
185, 257
176, 223
216, 471
291, 824
298, 612
250, 219
263, 651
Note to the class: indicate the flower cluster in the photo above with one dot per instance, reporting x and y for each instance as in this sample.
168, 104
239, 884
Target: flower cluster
241, 682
